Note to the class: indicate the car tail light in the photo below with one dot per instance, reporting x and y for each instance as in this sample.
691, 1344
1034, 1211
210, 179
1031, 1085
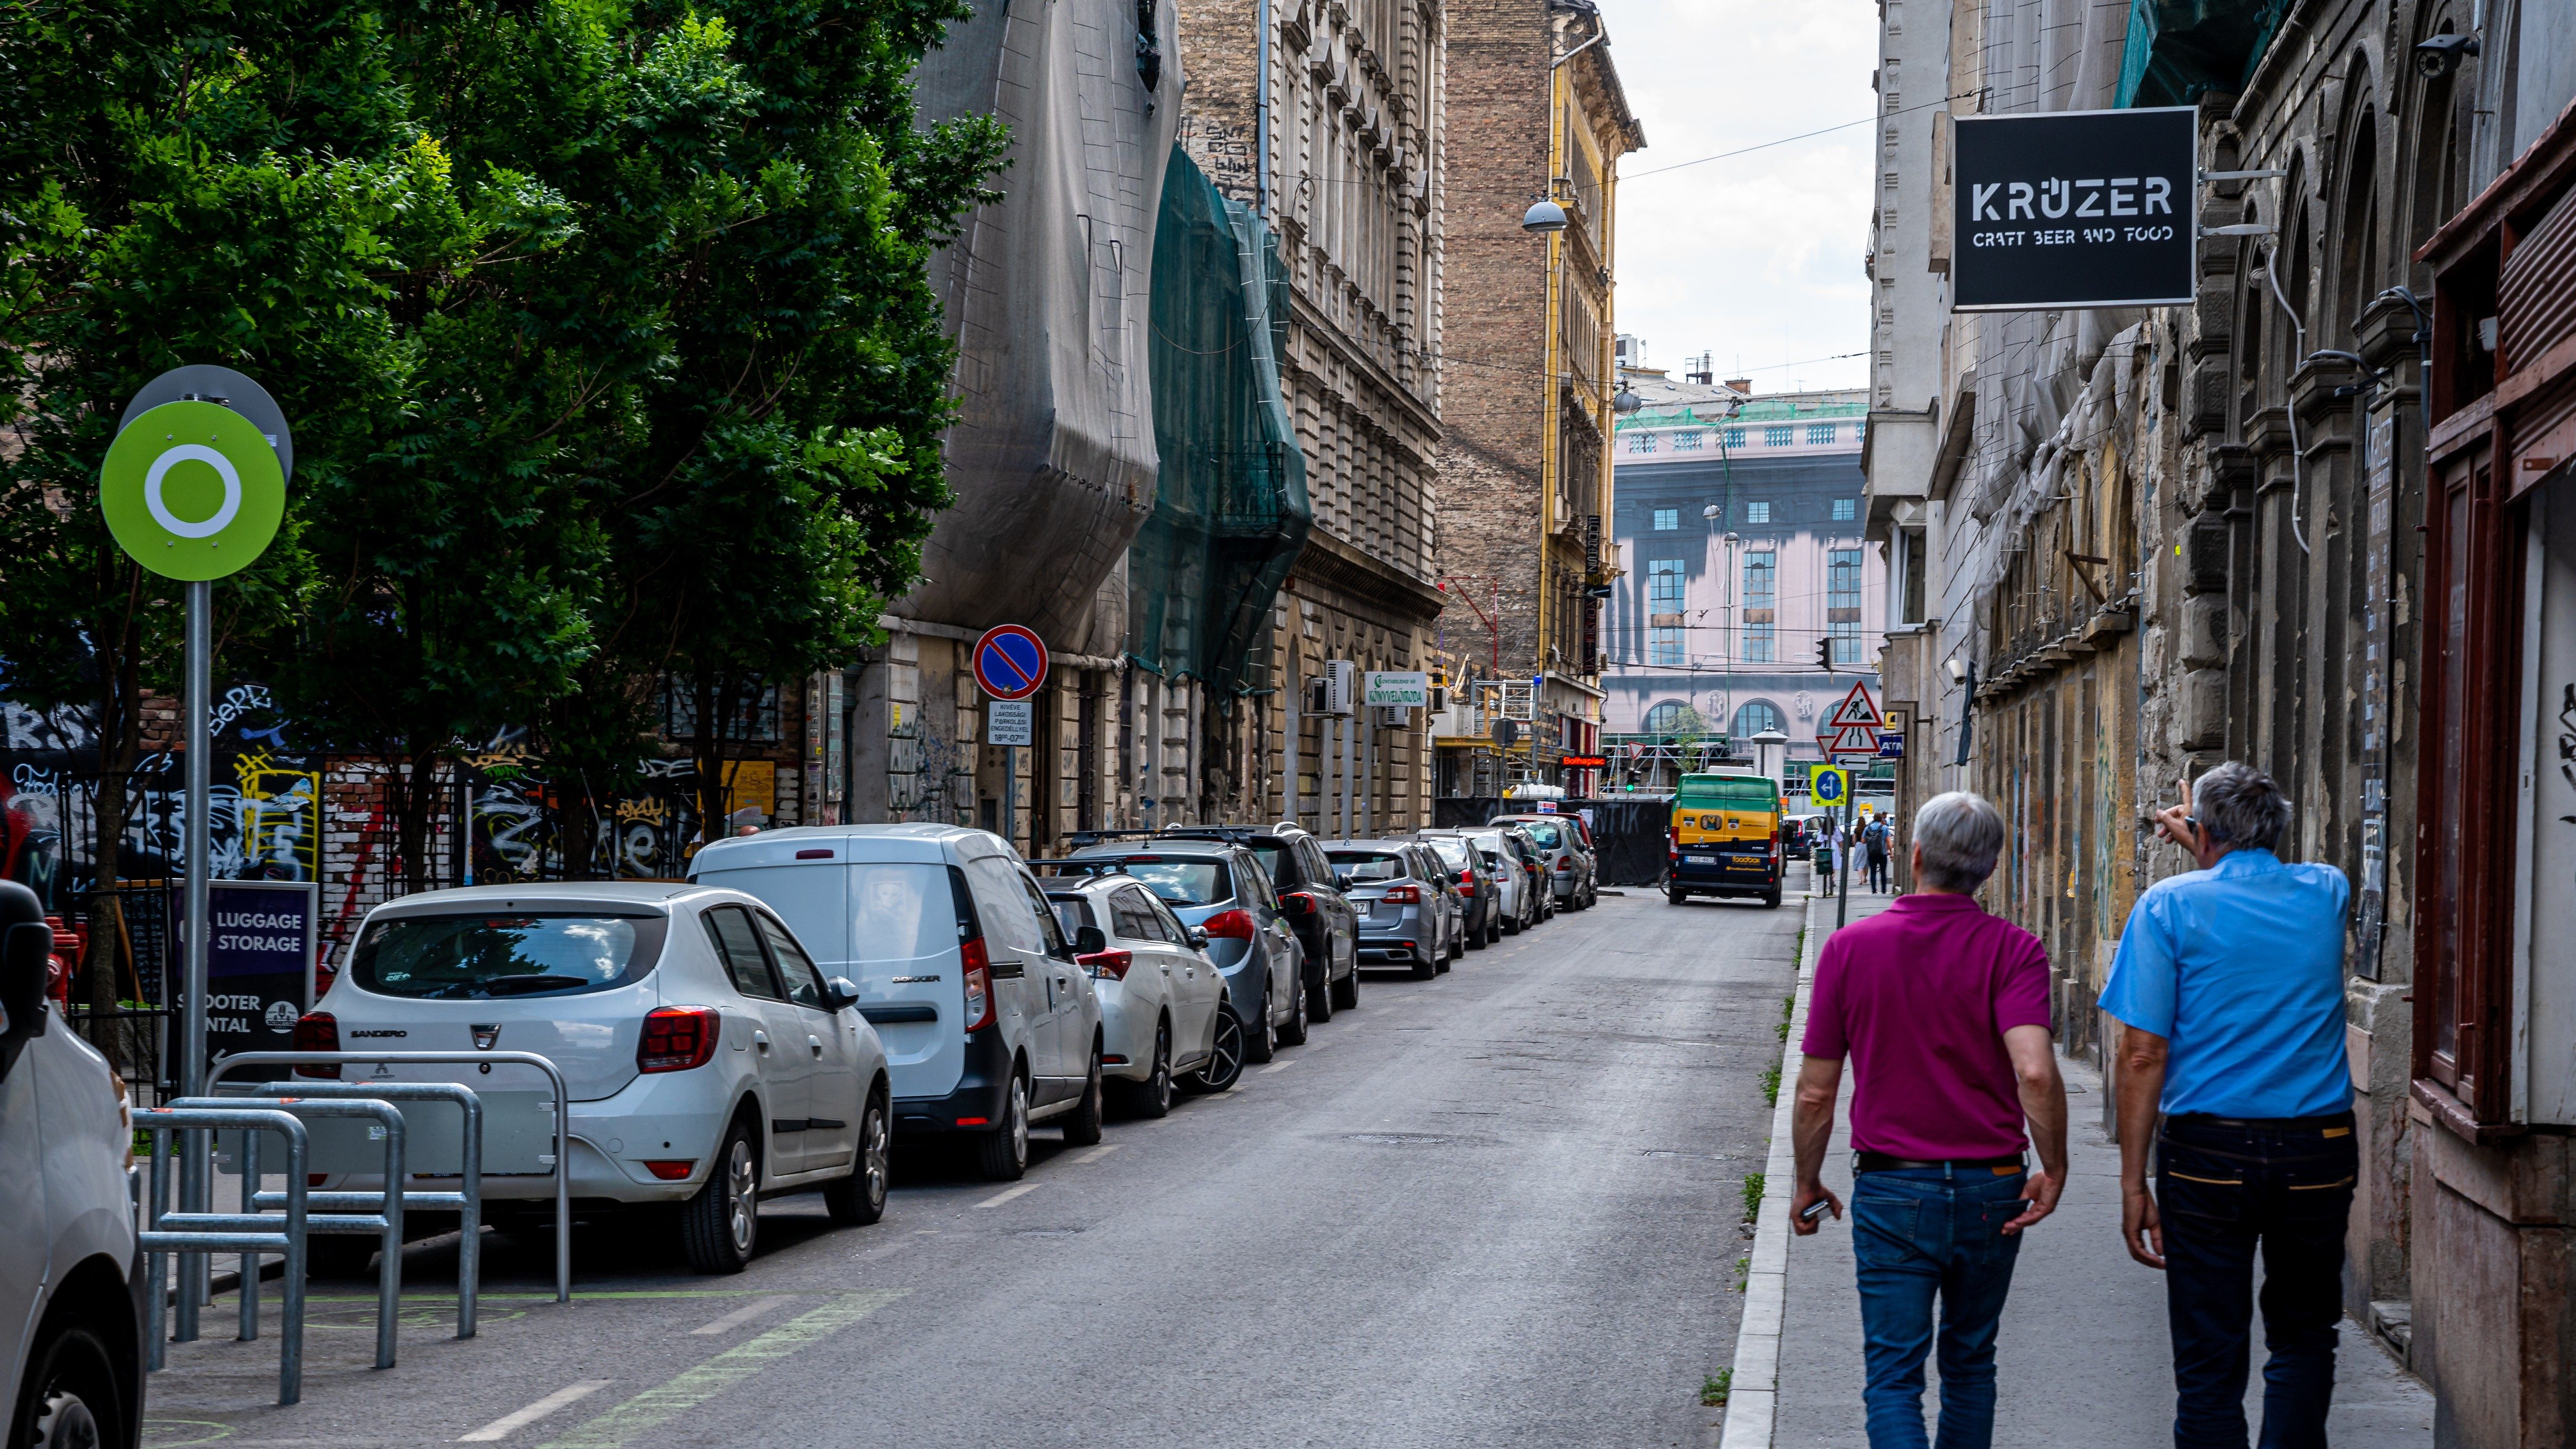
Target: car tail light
677, 1038
974, 1121
1466, 882
1565, 865
1403, 895
671, 1171
1112, 964
978, 975
1297, 903
1235, 924
317, 1031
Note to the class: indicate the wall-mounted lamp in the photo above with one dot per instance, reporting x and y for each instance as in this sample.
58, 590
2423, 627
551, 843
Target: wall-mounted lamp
1958, 671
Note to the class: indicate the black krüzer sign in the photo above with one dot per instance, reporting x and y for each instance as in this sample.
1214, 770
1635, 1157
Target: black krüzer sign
2074, 209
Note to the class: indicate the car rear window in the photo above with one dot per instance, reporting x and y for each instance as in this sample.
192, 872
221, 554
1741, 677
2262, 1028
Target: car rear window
1452, 850
1747, 792
504, 954
1182, 880
1364, 865
1545, 834
1071, 912
902, 911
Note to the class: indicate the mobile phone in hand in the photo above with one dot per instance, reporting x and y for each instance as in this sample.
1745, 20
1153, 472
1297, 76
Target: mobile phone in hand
1814, 1210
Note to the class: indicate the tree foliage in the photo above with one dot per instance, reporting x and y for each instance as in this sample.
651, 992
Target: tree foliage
603, 326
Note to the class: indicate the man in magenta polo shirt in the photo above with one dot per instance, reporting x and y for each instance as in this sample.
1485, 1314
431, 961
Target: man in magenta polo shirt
1944, 1012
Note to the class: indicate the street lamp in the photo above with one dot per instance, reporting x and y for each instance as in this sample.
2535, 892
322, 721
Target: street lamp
1623, 402
1544, 216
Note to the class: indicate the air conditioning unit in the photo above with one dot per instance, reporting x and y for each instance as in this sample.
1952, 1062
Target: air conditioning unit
1392, 716
1341, 686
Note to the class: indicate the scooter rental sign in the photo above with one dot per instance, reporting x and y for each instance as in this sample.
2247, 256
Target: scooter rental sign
2074, 209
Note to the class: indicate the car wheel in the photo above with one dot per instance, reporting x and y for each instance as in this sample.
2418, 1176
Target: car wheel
1082, 1126
1346, 992
1292, 1032
1259, 1045
1152, 1097
1771, 898
69, 1397
1511, 926
860, 1198
720, 1225
1319, 993
1675, 894
1225, 1063
1003, 1154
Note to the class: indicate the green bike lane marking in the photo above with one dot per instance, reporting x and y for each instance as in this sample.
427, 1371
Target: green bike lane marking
656, 1406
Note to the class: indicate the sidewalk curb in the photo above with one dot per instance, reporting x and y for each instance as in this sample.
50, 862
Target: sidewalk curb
1753, 1398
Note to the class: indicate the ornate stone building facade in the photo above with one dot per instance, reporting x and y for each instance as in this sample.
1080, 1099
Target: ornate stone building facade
1525, 465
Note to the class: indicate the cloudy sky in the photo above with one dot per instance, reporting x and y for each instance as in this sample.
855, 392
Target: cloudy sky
1755, 257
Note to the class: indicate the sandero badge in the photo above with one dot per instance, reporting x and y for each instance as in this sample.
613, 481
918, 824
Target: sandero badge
2074, 209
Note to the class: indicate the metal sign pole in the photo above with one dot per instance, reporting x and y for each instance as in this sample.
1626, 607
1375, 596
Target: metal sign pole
1842, 858
195, 1164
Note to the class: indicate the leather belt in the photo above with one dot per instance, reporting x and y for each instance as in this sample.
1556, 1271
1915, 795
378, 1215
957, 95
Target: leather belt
2268, 1124
1868, 1161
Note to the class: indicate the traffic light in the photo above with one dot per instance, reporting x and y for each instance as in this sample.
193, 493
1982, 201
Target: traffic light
1825, 655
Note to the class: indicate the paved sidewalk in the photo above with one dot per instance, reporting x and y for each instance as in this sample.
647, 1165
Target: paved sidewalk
2084, 1356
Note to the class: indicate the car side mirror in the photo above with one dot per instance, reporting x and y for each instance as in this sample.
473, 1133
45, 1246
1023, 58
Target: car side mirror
26, 962
1090, 941
1199, 937
841, 992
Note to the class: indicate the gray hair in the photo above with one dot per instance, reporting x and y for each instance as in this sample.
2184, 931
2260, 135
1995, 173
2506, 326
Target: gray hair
1960, 834
2241, 806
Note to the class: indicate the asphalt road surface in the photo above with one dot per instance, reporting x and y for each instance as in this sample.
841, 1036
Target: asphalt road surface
1500, 1207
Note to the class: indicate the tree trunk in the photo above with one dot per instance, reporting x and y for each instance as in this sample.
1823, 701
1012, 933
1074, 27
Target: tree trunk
576, 825
415, 791
120, 741
713, 697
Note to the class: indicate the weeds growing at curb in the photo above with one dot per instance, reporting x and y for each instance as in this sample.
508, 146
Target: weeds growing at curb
1713, 1388
1771, 1086
1754, 1183
1743, 1272
1788, 1004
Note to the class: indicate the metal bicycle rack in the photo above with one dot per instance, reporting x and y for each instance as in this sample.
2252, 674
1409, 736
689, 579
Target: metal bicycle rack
467, 1201
351, 1215
196, 1235
554, 1075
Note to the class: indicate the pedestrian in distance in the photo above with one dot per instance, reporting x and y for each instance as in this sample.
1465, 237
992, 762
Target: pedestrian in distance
1943, 1010
1874, 842
2229, 982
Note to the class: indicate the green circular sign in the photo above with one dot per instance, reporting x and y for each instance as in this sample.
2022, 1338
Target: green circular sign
192, 490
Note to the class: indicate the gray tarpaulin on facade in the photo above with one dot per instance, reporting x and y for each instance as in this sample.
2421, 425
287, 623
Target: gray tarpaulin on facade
1052, 457
1628, 831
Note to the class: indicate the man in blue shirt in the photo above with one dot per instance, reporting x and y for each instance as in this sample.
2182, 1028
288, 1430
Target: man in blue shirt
2229, 981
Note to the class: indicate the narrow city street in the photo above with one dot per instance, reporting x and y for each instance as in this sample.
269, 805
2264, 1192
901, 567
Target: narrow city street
1504, 1206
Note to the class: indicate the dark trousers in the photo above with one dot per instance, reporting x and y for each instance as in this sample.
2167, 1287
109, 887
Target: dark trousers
1877, 872
2223, 1190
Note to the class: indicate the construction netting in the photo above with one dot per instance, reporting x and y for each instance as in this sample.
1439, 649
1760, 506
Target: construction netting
1230, 511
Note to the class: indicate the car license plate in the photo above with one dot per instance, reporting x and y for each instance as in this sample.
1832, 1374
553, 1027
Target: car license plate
1700, 859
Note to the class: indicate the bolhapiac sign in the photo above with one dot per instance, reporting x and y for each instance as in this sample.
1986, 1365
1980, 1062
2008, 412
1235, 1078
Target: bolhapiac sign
2073, 209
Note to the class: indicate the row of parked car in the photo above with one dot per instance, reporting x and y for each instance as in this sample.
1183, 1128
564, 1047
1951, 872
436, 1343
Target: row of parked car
810, 995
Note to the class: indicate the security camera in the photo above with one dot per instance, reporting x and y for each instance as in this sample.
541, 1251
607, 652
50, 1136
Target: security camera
2440, 55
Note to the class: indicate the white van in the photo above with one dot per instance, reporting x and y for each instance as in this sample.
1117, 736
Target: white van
71, 1279
990, 1026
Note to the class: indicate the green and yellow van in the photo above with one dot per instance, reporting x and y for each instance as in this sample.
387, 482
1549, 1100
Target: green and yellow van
1725, 837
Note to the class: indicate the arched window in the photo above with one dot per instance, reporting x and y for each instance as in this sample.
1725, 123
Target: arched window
1667, 718
2357, 229
1753, 718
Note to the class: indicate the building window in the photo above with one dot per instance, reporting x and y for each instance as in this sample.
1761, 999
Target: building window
1842, 603
1757, 512
1672, 717
1664, 647
1779, 437
1686, 441
1909, 565
1735, 437
1761, 584
1641, 442
1667, 519
1664, 586
1860, 433
1820, 433
1846, 509
1753, 718
748, 719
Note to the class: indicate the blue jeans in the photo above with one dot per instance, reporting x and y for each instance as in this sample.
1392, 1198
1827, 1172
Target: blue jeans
1918, 1234
2222, 1191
